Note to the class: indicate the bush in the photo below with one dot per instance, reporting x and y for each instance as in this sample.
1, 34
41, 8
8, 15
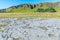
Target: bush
40, 10
50, 10
46, 10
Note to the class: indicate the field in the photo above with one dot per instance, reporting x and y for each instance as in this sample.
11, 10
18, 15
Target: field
29, 15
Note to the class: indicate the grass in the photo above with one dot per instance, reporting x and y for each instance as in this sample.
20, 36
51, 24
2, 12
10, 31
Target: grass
24, 10
3, 25
57, 9
30, 14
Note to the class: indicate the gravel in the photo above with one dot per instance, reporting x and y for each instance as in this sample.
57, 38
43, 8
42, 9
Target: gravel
31, 29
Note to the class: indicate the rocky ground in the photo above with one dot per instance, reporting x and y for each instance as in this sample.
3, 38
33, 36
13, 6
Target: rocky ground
30, 29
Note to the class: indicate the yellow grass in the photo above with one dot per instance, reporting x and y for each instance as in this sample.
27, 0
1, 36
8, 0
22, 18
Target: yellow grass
29, 15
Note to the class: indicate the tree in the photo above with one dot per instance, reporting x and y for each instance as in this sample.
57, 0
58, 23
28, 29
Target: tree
2, 10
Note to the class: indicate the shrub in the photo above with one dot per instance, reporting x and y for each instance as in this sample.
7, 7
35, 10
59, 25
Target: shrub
46, 10
50, 10
40, 10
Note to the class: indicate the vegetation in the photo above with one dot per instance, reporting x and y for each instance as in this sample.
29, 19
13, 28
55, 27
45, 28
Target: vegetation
3, 10
31, 15
3, 25
40, 10
50, 10
46, 10
41, 7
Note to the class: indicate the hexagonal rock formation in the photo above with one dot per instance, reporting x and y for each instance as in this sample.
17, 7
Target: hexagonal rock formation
33, 29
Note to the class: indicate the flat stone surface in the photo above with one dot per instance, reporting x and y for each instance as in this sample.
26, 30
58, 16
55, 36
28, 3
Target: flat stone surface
31, 29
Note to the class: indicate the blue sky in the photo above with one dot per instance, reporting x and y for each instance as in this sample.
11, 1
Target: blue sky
8, 3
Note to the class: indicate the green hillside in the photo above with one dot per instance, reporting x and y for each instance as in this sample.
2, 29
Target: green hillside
41, 7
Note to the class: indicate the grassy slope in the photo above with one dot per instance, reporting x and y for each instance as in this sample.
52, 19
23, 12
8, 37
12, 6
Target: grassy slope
31, 10
57, 9
24, 10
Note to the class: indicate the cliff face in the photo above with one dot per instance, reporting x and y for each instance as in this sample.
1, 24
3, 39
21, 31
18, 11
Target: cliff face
32, 29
